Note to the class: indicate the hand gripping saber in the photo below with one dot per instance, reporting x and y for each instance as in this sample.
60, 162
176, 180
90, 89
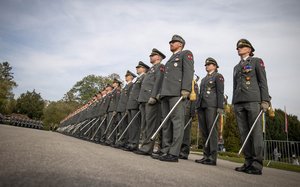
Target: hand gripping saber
250, 132
166, 118
211, 130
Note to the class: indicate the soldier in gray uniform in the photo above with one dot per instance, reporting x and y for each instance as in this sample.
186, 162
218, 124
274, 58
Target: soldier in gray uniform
210, 103
177, 82
250, 95
104, 112
112, 111
150, 106
97, 114
133, 108
121, 109
189, 113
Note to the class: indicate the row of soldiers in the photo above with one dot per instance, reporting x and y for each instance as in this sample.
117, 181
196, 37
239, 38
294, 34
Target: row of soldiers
162, 101
21, 122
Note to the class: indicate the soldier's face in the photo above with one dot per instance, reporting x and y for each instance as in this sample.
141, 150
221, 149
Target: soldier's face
153, 58
108, 89
140, 70
242, 51
210, 67
175, 46
115, 85
128, 78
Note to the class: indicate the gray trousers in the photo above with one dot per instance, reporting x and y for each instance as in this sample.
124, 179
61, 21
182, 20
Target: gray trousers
152, 118
172, 131
206, 117
102, 128
143, 121
91, 128
121, 128
134, 129
110, 127
246, 114
186, 142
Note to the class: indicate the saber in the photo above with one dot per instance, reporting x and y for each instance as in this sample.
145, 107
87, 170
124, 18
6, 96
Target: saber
211, 130
69, 128
136, 115
117, 125
250, 132
75, 127
66, 128
109, 123
188, 123
99, 127
91, 126
84, 125
87, 124
166, 118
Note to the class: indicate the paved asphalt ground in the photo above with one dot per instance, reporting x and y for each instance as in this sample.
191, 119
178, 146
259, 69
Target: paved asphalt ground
30, 157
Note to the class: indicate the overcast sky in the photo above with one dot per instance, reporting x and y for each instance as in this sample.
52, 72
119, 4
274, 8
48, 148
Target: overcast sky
53, 44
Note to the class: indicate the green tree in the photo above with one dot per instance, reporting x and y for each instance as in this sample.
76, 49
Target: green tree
31, 104
86, 88
6, 85
231, 132
56, 111
275, 127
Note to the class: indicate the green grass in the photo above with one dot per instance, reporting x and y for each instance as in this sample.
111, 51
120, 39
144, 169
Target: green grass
234, 158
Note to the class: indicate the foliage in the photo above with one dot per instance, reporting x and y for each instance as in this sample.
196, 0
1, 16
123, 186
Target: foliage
86, 88
56, 111
6, 85
31, 104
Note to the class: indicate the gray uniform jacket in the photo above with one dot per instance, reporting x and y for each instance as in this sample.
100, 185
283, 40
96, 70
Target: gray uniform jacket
211, 91
152, 83
95, 109
250, 81
124, 97
179, 73
132, 102
114, 100
104, 105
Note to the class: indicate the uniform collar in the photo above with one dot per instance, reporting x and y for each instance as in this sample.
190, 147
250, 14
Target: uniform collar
211, 73
177, 52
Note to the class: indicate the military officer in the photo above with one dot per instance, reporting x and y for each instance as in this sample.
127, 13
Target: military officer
104, 113
121, 109
210, 103
112, 110
133, 108
150, 106
97, 114
91, 116
177, 82
189, 113
250, 95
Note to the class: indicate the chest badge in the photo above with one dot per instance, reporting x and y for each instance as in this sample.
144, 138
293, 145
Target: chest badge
175, 64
